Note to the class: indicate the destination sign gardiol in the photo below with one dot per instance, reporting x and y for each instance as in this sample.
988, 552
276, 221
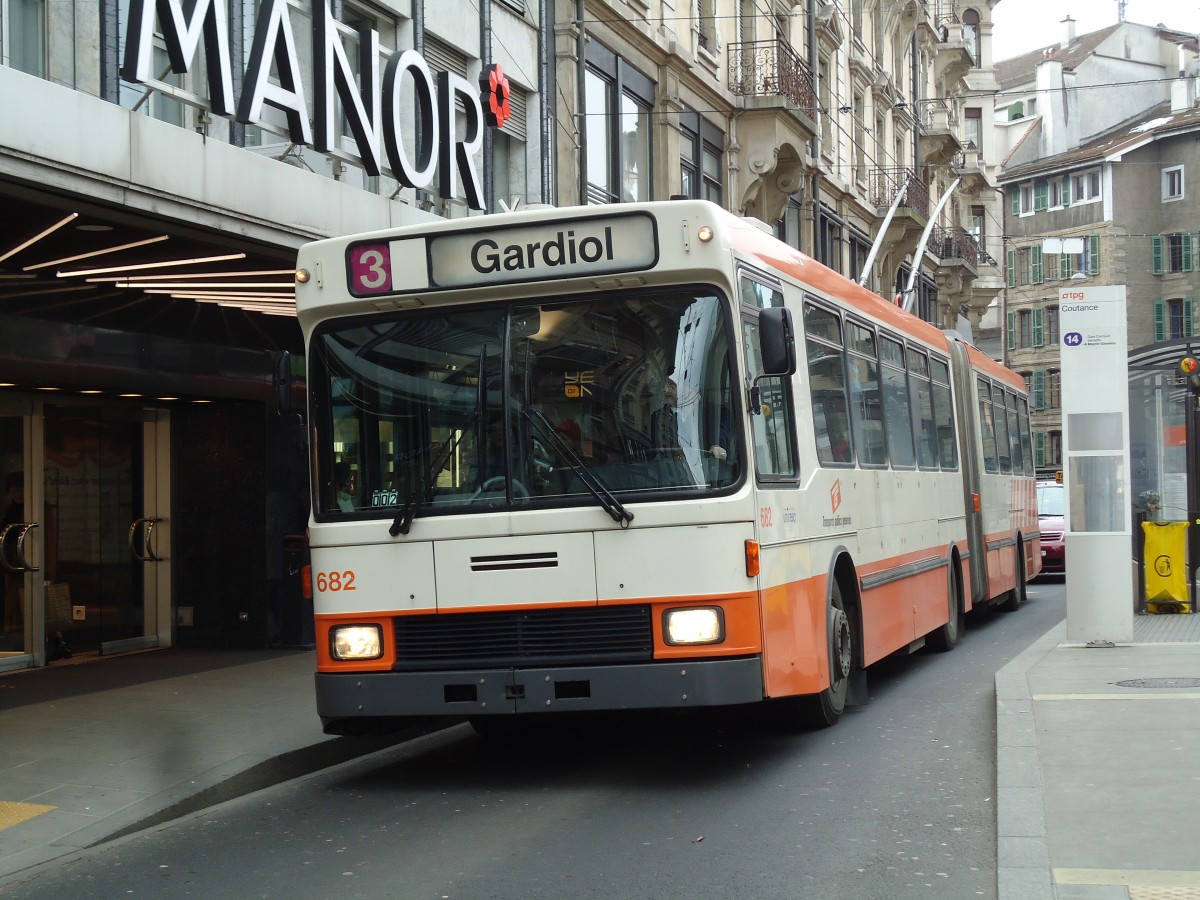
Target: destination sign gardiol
569, 248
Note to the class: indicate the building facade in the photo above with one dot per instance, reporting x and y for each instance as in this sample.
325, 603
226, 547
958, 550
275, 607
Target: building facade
1097, 194
161, 162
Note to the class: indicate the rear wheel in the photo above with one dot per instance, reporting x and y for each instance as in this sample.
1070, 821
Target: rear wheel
1014, 598
945, 638
825, 708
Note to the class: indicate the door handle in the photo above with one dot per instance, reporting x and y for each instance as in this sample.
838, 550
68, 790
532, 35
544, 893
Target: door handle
147, 553
19, 562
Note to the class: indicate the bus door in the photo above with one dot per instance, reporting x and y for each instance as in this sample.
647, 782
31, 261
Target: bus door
969, 439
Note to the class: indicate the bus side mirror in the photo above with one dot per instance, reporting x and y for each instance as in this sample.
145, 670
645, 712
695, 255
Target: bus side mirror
282, 378
777, 342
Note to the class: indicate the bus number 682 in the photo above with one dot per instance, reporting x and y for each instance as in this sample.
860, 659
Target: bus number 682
331, 582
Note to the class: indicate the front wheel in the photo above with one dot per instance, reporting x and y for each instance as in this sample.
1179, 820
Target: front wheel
825, 708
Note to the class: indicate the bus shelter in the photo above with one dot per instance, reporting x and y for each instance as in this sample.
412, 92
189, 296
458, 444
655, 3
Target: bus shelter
1164, 433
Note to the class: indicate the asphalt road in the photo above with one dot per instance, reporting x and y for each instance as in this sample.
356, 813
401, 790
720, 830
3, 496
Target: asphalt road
896, 801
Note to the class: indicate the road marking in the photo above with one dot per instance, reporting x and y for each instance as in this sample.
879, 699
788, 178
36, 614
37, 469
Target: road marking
1131, 696
1163, 878
15, 813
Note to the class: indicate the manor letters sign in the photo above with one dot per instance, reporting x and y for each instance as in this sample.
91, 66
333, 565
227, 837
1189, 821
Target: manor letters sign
373, 113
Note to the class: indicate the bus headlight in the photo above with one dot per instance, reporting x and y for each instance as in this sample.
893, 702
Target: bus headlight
357, 642
705, 625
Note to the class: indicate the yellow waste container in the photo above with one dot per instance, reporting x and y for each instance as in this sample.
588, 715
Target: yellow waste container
1166, 567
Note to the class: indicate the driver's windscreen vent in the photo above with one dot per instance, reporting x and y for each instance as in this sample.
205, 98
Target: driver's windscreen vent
514, 561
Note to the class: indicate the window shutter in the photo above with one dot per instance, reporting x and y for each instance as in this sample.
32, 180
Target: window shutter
1066, 190
1094, 255
1064, 266
1012, 268
1041, 192
1036, 264
1185, 243
1012, 330
1187, 317
1038, 327
517, 125
1039, 389
1039, 448
1156, 259
1016, 200
1160, 320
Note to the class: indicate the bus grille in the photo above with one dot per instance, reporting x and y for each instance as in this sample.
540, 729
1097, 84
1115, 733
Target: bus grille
524, 638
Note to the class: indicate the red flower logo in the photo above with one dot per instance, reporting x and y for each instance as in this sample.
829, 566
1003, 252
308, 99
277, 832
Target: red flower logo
496, 108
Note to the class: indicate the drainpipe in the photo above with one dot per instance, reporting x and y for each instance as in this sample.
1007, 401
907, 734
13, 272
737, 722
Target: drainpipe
815, 143
546, 117
580, 108
489, 139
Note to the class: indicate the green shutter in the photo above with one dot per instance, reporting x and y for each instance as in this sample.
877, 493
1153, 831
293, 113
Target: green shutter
1185, 243
1156, 254
1012, 330
1160, 320
1094, 255
1039, 389
1036, 264
1012, 268
1187, 317
1016, 200
1066, 190
1064, 266
1039, 448
1039, 331
1041, 193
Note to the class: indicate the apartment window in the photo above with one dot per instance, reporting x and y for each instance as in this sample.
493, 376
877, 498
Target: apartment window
1172, 184
829, 240
1026, 199
825, 86
1025, 328
1054, 198
24, 35
701, 151
1085, 186
859, 248
856, 18
1171, 253
706, 25
970, 20
1053, 389
1050, 318
1173, 319
619, 147
509, 145
973, 120
860, 139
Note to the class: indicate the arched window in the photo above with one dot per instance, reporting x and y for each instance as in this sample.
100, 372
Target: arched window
970, 20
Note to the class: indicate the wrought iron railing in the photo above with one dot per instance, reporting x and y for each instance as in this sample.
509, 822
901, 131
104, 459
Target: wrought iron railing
937, 115
771, 69
886, 183
954, 243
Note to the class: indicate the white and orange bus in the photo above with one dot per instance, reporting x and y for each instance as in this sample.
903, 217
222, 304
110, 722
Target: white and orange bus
567, 459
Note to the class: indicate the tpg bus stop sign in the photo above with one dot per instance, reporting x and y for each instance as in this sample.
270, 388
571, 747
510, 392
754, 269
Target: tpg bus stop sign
1095, 402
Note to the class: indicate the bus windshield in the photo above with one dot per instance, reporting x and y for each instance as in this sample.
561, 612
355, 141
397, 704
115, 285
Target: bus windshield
523, 404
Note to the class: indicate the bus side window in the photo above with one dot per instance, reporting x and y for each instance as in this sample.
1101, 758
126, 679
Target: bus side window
943, 414
897, 408
986, 428
1026, 442
922, 403
1014, 435
1000, 420
827, 384
772, 425
866, 408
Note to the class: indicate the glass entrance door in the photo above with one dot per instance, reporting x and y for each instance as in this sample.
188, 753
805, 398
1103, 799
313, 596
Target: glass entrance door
20, 537
104, 536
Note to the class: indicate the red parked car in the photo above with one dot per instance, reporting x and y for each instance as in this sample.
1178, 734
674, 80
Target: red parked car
1051, 503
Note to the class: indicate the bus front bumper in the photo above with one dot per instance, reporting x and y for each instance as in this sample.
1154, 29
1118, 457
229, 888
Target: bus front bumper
483, 692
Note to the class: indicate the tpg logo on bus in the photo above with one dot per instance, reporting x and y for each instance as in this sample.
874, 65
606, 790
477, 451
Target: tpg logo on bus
584, 246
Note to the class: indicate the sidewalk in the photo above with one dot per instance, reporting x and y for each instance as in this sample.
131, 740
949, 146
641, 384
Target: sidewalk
92, 750
1098, 767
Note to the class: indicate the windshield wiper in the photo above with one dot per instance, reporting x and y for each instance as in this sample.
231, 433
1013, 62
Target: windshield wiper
590, 480
403, 521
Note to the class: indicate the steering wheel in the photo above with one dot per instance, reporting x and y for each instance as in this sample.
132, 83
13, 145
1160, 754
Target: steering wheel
490, 484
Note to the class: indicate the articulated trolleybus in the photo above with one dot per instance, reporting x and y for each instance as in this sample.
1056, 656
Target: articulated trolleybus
566, 459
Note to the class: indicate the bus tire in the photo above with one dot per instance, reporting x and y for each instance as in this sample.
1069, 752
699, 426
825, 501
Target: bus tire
1013, 599
824, 709
947, 636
